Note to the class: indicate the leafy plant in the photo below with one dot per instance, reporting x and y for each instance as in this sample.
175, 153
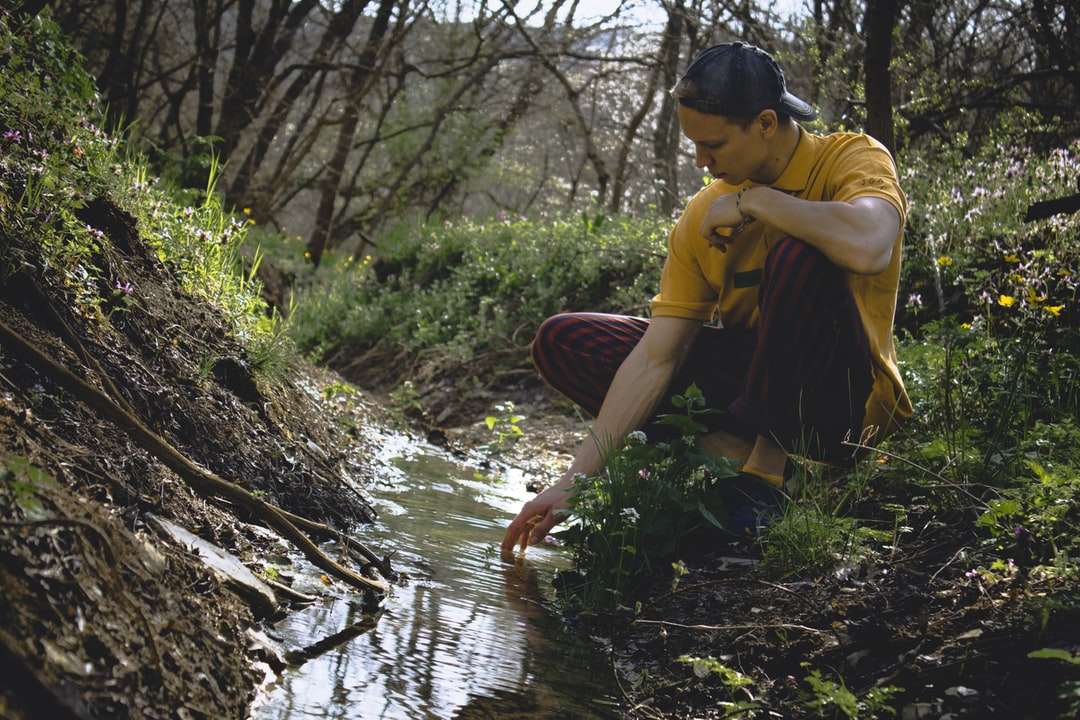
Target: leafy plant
505, 425
645, 502
826, 693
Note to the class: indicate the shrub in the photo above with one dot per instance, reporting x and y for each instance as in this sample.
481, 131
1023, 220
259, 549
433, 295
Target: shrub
459, 289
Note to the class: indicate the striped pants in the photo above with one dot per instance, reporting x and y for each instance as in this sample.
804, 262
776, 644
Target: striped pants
801, 377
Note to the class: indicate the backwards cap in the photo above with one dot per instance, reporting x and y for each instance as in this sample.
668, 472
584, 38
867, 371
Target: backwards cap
739, 80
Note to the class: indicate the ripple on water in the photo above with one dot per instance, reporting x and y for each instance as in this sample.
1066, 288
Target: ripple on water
468, 638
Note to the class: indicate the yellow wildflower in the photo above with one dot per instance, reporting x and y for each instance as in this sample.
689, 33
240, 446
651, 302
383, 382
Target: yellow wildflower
944, 261
247, 211
1017, 278
1012, 259
1034, 298
1054, 310
251, 221
1006, 300
965, 326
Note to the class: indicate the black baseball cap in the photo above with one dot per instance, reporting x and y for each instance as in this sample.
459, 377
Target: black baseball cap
738, 80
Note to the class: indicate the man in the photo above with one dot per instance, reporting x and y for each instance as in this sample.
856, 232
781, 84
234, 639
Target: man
796, 245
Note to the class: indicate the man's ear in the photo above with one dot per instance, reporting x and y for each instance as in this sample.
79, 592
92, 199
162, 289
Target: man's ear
767, 122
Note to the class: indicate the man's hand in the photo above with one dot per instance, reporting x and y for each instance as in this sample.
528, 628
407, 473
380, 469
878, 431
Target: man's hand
723, 215
537, 517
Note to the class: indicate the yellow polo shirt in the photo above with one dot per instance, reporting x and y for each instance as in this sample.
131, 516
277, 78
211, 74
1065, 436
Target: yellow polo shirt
699, 281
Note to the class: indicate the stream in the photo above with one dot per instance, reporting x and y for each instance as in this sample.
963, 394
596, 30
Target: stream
468, 637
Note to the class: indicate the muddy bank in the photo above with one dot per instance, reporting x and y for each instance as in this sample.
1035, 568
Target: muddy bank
101, 614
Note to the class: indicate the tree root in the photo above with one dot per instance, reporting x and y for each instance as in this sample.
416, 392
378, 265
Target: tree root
68, 335
199, 479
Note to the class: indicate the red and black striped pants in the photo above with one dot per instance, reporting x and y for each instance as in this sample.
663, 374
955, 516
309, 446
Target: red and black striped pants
801, 377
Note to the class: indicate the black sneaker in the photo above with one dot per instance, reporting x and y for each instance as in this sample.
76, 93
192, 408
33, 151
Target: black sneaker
750, 504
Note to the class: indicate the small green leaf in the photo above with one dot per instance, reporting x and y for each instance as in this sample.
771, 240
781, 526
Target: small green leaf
708, 515
490, 421
1055, 654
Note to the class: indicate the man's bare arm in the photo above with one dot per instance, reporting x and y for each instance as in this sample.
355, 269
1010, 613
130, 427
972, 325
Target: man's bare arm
635, 392
858, 236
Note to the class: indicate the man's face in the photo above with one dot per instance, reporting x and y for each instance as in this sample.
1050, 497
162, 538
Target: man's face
730, 152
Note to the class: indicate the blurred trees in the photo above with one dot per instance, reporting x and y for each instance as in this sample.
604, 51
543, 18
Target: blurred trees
338, 117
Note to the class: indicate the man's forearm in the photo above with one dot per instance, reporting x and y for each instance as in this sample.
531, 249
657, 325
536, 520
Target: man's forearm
635, 392
859, 239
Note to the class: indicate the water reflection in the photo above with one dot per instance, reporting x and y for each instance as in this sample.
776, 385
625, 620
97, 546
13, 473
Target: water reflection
468, 638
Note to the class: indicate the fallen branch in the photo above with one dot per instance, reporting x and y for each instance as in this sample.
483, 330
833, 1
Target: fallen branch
202, 481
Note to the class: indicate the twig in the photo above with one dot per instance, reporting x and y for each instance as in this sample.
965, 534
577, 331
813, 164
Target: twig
712, 628
947, 564
288, 592
202, 481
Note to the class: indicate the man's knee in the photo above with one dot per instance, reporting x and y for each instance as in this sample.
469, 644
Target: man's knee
789, 252
792, 264
547, 337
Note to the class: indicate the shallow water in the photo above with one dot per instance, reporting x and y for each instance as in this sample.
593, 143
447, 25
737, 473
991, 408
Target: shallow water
468, 637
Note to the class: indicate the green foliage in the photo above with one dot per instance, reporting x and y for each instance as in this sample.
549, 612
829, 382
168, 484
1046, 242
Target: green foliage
968, 252
634, 515
55, 159
1055, 654
24, 479
505, 425
462, 288
1038, 519
807, 537
826, 694
704, 667
405, 400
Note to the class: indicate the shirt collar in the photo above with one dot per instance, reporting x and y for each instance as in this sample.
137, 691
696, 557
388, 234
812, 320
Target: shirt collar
797, 172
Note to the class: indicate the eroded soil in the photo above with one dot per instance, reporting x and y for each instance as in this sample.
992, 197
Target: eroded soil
100, 615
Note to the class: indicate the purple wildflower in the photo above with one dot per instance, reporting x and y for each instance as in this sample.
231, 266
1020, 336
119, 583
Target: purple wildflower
12, 136
124, 288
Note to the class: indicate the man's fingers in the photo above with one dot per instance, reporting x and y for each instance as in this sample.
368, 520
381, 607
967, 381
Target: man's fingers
542, 528
526, 532
517, 529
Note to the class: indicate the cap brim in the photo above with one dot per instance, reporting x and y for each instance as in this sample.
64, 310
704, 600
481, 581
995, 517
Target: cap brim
798, 109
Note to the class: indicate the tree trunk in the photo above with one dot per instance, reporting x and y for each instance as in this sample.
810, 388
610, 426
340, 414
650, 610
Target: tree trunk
665, 158
618, 188
365, 65
878, 26
255, 57
339, 29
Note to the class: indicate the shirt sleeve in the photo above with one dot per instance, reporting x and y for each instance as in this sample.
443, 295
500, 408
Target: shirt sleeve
684, 291
866, 169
